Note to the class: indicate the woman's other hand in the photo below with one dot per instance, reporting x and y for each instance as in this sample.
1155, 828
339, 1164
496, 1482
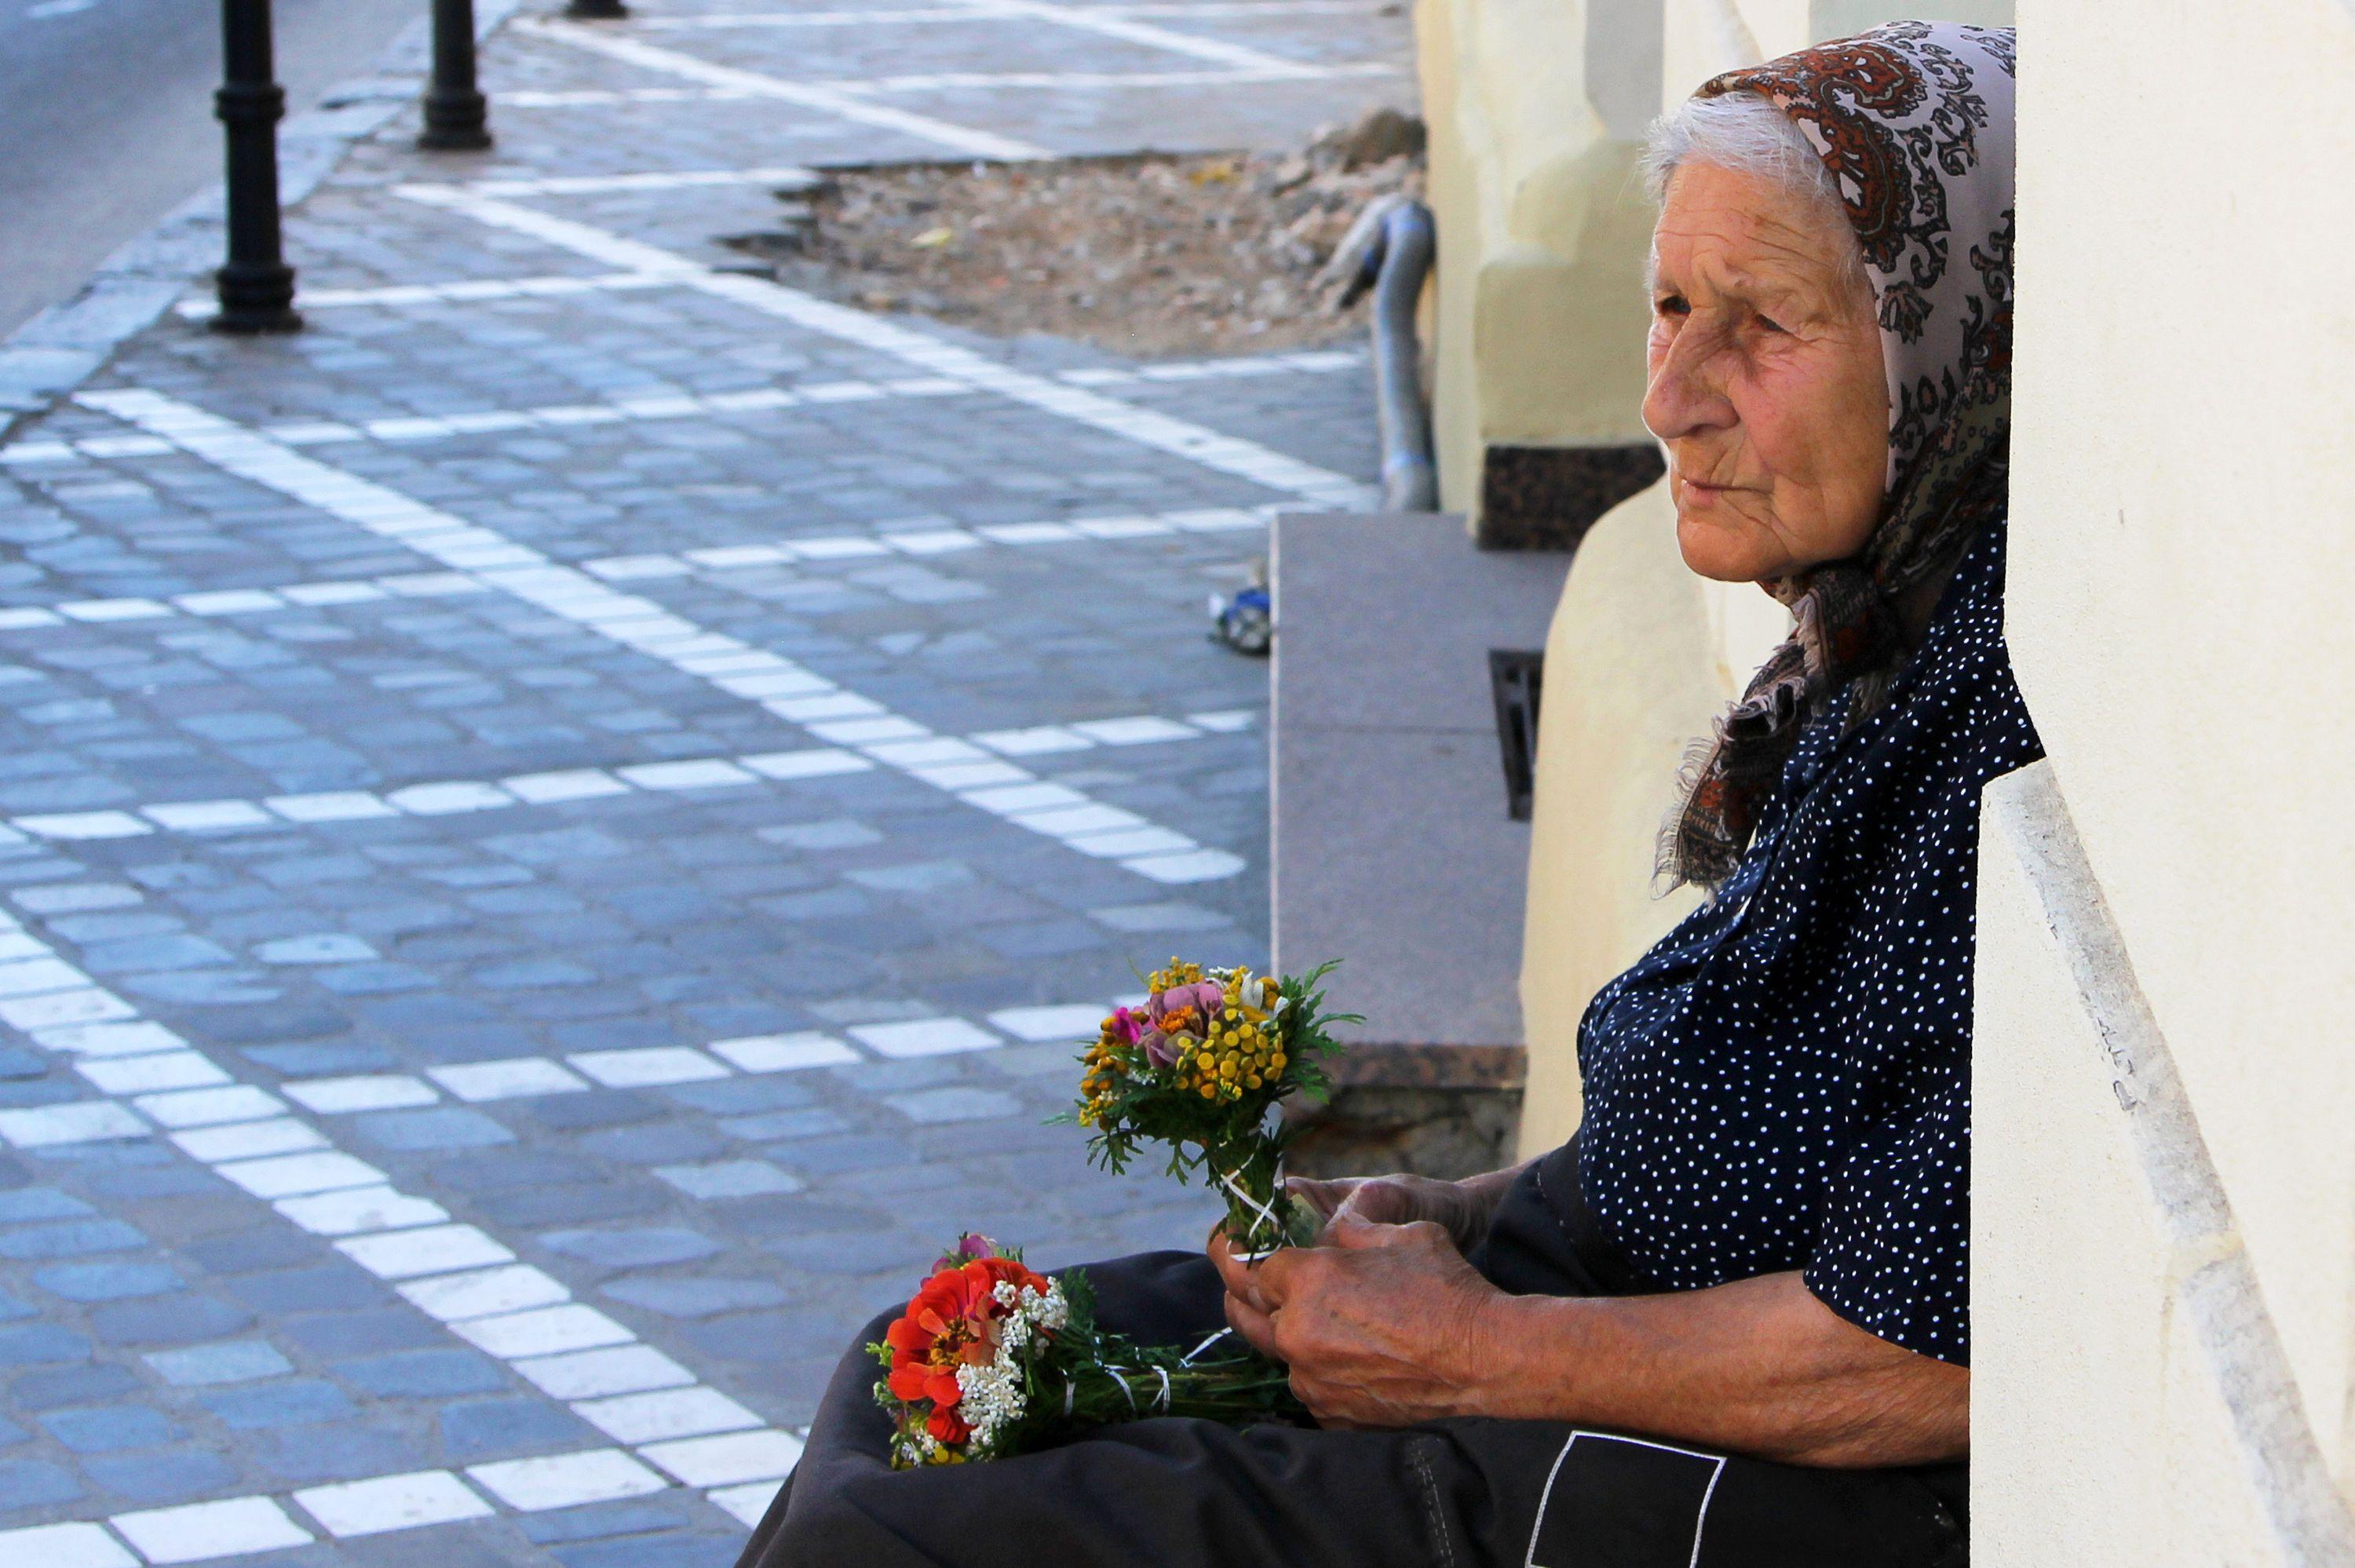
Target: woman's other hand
1381, 1323
1396, 1199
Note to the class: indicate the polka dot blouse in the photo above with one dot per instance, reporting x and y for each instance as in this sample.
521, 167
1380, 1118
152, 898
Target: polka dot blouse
1785, 1081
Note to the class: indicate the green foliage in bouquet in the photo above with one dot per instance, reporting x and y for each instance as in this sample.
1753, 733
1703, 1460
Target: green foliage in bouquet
1199, 1068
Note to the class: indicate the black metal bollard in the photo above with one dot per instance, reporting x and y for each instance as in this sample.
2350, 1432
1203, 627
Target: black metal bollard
255, 285
454, 110
596, 10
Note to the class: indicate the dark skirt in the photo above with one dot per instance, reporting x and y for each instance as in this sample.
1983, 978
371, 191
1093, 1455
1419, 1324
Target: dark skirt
1192, 1494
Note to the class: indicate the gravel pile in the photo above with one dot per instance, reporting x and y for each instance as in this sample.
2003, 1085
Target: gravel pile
1146, 256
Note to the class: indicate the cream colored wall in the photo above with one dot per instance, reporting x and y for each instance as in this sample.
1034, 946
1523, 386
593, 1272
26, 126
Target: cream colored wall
2181, 556
1541, 234
1630, 664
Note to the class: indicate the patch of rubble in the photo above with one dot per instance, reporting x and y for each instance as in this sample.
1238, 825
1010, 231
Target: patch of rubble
1149, 255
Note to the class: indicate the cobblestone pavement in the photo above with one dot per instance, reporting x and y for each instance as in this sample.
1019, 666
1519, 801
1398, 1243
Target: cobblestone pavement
556, 828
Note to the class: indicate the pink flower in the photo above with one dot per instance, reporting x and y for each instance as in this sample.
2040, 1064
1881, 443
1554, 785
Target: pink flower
1200, 1000
1127, 1023
1157, 1048
969, 1245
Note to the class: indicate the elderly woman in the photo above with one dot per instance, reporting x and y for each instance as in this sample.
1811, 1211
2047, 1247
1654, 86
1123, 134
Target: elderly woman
1728, 1324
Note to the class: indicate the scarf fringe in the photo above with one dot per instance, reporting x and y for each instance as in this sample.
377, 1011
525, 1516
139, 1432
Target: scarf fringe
1671, 867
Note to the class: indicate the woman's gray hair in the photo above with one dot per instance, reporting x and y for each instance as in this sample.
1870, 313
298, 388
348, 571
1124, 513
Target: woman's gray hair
1744, 133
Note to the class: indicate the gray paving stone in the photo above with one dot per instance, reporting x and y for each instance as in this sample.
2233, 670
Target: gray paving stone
252, 1251
161, 1182
698, 1296
291, 1402
76, 1239
444, 1128
353, 1333
729, 1179
955, 1103
104, 1429
417, 1374
683, 1550
166, 1320
39, 1204
330, 1287
639, 1517
155, 1480
496, 1429
637, 1247
107, 1281
27, 1483
231, 1360
70, 1385
308, 1455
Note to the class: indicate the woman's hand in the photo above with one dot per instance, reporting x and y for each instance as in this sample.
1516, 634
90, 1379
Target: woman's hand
1456, 1208
1381, 1324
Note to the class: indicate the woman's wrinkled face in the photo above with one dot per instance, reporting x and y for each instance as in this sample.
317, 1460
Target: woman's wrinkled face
1765, 378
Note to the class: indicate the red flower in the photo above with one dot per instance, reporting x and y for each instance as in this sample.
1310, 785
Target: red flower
952, 1322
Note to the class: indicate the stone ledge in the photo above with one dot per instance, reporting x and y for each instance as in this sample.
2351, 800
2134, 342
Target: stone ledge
1391, 847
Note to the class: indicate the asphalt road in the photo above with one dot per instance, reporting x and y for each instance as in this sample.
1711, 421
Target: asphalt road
106, 117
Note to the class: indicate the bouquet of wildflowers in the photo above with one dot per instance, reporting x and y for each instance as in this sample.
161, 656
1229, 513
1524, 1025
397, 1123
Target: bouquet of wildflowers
993, 1358
1199, 1067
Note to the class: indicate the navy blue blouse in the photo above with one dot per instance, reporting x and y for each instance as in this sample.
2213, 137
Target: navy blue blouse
1785, 1081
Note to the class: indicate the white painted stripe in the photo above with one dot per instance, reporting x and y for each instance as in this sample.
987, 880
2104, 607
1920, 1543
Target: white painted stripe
562, 591
409, 429
941, 81
445, 797
757, 399
1077, 81
652, 180
726, 20
375, 1505
718, 21
1222, 9
599, 97
64, 1546
1225, 454
1089, 20
833, 100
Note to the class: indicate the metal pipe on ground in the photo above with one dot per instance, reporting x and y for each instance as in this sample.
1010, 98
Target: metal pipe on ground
255, 285
457, 115
1391, 246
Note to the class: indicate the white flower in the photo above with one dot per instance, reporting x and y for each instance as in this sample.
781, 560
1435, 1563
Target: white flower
990, 1397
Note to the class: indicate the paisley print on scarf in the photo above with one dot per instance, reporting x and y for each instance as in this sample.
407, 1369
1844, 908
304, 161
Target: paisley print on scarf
1914, 121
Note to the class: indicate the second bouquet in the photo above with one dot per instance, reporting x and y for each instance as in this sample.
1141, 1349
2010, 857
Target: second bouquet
1199, 1067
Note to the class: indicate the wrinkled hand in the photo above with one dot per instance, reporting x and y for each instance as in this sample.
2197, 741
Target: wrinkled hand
1396, 1200
1383, 1325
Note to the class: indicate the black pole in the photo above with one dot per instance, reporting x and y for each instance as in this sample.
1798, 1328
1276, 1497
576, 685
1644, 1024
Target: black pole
596, 10
256, 286
454, 110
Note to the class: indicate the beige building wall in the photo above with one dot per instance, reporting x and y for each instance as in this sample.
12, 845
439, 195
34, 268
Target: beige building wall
2164, 1181
1535, 108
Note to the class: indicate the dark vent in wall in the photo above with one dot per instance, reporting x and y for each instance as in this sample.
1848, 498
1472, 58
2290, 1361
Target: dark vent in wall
1517, 679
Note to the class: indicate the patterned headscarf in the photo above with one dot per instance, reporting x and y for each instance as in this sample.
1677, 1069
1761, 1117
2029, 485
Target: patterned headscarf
1915, 120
